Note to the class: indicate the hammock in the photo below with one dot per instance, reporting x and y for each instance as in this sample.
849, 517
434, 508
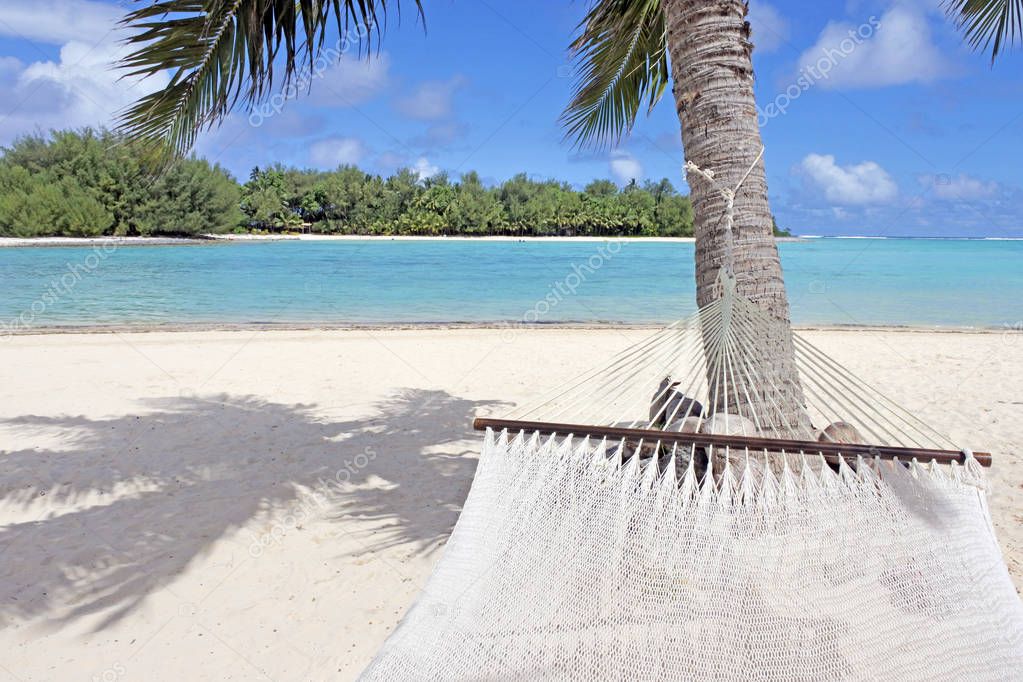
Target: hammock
663, 554
689, 511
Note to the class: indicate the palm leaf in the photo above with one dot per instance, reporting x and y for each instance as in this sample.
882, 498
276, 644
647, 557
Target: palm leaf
621, 60
222, 52
988, 24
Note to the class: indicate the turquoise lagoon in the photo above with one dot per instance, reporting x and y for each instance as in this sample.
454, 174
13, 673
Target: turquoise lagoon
920, 282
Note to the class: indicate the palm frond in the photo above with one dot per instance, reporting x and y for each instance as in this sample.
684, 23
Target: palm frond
987, 24
621, 60
222, 52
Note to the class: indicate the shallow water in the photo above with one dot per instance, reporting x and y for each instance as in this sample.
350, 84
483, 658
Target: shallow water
964, 283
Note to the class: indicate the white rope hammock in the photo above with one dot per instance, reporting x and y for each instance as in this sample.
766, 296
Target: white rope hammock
688, 511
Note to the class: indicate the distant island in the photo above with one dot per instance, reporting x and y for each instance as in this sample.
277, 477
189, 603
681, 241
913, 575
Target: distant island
92, 183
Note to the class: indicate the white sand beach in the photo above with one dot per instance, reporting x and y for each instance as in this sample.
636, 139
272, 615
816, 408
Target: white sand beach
241, 505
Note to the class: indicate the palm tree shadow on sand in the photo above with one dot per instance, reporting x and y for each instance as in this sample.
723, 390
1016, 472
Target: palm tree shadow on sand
153, 493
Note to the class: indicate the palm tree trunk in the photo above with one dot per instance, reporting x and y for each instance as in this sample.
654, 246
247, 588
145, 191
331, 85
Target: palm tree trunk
712, 72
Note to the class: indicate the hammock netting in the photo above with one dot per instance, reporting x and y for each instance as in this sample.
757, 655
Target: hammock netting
583, 558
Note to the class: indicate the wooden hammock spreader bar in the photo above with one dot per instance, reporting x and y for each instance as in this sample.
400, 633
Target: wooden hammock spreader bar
831, 451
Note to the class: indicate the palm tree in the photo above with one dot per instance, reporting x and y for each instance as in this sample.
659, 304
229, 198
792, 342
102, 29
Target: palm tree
627, 52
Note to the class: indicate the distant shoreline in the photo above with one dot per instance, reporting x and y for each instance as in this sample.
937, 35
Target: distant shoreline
11, 242
432, 238
14, 242
516, 327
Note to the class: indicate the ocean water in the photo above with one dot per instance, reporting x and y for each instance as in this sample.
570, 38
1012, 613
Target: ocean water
962, 283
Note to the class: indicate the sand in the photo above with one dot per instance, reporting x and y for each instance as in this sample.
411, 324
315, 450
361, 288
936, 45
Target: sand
241, 505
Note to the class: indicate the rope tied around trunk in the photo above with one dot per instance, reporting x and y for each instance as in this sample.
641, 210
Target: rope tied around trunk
728, 194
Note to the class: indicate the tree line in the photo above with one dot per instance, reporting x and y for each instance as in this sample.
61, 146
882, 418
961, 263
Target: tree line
351, 201
91, 183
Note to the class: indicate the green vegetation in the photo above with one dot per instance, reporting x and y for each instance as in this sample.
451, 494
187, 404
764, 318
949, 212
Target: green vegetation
92, 183
350, 201
778, 232
89, 183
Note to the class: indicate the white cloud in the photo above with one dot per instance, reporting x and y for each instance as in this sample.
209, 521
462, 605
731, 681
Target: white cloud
336, 151
424, 169
625, 167
862, 183
770, 29
960, 187
892, 50
431, 100
59, 21
391, 161
81, 88
350, 81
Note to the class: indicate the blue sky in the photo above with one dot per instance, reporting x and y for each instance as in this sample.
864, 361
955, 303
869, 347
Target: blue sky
898, 130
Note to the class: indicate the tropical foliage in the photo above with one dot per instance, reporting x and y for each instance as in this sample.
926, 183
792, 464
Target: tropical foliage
85, 183
988, 24
621, 59
91, 183
351, 201
219, 53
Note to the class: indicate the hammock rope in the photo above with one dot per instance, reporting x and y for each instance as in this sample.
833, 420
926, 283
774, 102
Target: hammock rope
728, 214
698, 375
